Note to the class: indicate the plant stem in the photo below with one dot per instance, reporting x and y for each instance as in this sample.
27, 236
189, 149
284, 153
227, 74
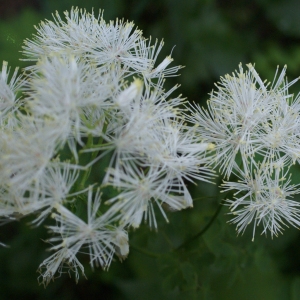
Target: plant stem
143, 251
204, 229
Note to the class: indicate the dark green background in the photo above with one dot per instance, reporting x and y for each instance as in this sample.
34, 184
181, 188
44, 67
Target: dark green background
211, 38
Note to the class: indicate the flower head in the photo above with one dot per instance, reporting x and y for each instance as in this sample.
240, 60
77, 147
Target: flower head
62, 261
241, 117
264, 199
97, 237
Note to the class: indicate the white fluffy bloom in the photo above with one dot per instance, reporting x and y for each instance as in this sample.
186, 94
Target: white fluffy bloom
25, 153
278, 134
155, 70
63, 90
97, 237
126, 97
96, 88
236, 114
53, 189
62, 261
104, 44
264, 198
177, 150
139, 190
114, 47
9, 102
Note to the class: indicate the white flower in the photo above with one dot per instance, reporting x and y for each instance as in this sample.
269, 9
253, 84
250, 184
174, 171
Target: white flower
25, 153
104, 44
97, 88
122, 246
8, 88
236, 114
265, 199
9, 102
53, 189
59, 36
125, 98
139, 190
133, 130
161, 70
179, 151
97, 237
62, 261
278, 134
14, 205
62, 90
118, 43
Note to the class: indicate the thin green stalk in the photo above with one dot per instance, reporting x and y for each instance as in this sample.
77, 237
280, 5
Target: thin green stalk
90, 144
146, 252
204, 229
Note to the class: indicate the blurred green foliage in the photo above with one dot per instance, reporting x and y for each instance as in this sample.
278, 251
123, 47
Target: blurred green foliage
211, 37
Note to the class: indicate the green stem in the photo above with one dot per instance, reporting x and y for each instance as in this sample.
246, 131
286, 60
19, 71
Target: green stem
89, 145
204, 229
86, 172
156, 255
143, 251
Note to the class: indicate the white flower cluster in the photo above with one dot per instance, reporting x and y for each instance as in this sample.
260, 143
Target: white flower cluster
254, 126
94, 95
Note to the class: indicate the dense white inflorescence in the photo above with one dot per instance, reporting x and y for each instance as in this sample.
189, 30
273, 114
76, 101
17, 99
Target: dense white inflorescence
93, 115
254, 126
95, 93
